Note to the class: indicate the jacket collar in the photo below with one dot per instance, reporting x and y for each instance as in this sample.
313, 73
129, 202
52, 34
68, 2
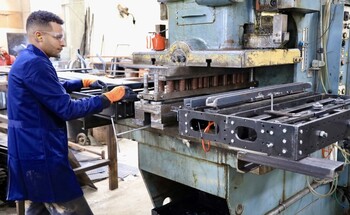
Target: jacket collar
36, 50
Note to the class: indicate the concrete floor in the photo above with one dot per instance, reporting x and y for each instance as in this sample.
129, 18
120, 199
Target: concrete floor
131, 197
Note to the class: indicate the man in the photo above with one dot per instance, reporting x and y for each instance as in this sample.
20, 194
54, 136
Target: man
38, 108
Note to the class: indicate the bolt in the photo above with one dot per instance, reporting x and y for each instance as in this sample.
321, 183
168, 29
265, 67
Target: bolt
232, 122
301, 142
323, 134
300, 152
271, 133
284, 141
232, 131
284, 151
284, 130
262, 131
232, 140
301, 131
269, 145
239, 209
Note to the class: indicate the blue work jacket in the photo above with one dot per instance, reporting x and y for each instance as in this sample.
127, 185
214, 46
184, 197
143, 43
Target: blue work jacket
38, 107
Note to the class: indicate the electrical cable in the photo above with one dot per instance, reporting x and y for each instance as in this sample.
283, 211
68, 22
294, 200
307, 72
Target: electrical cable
329, 150
345, 154
332, 189
206, 130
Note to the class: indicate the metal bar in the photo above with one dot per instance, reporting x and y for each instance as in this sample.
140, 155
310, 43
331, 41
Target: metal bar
115, 133
136, 129
316, 167
255, 94
73, 69
290, 201
95, 165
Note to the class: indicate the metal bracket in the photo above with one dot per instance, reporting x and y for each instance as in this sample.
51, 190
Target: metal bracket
316, 167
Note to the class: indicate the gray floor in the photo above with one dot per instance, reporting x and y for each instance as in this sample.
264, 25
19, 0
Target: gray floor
131, 197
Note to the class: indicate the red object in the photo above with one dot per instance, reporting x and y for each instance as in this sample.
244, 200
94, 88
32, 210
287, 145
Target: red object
6, 59
158, 42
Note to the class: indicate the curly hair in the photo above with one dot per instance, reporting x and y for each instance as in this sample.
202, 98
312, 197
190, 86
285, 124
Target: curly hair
42, 19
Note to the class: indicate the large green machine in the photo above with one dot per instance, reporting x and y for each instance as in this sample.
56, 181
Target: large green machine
249, 112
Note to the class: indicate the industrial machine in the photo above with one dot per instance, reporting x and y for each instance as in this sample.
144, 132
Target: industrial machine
245, 111
249, 112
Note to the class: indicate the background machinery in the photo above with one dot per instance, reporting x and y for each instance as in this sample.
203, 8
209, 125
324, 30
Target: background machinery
249, 112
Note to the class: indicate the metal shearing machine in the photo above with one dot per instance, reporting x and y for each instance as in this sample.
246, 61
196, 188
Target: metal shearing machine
247, 107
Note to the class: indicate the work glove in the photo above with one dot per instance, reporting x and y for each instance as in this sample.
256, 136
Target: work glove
129, 94
94, 84
117, 94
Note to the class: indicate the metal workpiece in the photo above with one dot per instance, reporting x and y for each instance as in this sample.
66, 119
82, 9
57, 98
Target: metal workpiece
182, 54
255, 94
292, 129
246, 102
315, 167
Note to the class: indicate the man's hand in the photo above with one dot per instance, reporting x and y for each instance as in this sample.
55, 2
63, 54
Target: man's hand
116, 94
94, 84
129, 94
120, 93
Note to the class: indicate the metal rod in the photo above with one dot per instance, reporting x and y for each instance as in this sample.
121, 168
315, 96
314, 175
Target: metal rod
284, 205
156, 83
115, 133
132, 130
145, 82
271, 94
251, 78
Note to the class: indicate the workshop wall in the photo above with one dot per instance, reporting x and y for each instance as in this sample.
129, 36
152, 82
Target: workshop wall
116, 35
110, 33
11, 18
107, 32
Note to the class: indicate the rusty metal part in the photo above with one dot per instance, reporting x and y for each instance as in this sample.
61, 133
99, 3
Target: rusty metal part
161, 86
194, 83
180, 54
182, 85
170, 86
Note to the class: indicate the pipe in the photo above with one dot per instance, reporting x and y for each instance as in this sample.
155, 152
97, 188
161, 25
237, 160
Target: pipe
284, 205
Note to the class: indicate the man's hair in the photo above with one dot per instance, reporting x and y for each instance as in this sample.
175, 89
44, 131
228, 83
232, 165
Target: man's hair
42, 18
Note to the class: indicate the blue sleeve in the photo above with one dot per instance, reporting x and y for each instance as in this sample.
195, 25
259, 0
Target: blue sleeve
42, 81
72, 85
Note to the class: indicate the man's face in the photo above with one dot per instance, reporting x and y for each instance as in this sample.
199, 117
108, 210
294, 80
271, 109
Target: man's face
53, 40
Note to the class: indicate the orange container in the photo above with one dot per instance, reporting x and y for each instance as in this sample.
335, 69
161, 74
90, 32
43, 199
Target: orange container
158, 42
